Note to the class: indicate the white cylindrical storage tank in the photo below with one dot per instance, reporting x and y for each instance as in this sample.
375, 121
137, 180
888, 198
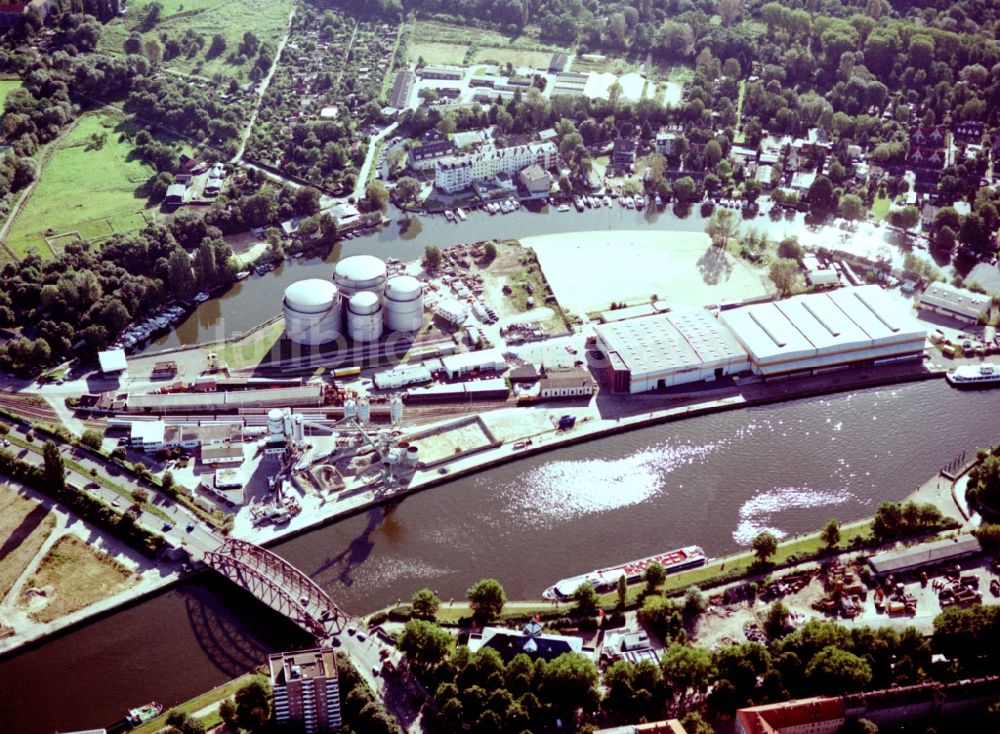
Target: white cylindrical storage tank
412, 455
350, 409
299, 425
275, 422
313, 313
364, 411
364, 317
403, 303
395, 409
359, 273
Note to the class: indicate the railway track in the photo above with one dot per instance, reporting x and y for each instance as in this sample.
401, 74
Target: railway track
30, 407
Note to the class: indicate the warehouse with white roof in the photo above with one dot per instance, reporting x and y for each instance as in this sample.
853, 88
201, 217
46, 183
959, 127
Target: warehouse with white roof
656, 352
817, 332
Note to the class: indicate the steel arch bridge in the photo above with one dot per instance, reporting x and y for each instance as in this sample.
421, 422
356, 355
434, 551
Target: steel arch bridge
279, 585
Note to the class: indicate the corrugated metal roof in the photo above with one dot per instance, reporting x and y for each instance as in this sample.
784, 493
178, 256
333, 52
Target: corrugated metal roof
925, 553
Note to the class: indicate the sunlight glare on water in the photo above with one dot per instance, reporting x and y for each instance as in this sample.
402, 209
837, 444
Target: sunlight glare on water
562, 490
757, 514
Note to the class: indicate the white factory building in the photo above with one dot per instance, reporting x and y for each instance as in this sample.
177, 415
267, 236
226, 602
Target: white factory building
658, 351
465, 363
956, 303
360, 303
818, 332
459, 172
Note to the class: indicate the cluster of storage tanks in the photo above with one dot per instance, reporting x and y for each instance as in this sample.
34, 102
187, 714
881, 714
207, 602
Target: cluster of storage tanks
360, 303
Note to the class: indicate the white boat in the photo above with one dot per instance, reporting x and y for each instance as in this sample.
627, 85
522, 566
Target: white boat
563, 207
606, 579
986, 374
607, 200
201, 297
243, 274
449, 215
659, 201
460, 213
578, 203
627, 201
640, 202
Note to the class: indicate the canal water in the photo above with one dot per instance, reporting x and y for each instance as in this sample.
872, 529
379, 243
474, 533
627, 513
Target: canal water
713, 480
258, 299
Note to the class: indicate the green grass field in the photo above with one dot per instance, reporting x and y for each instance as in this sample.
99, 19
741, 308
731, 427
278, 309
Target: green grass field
6, 87
86, 187
880, 207
229, 18
444, 43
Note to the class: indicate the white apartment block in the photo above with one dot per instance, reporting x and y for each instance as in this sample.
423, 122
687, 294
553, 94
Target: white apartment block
459, 172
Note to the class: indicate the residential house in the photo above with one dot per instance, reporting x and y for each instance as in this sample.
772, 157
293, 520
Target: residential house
928, 137
568, 383
175, 194
623, 154
969, 130
424, 157
530, 640
665, 142
926, 157
536, 180
802, 180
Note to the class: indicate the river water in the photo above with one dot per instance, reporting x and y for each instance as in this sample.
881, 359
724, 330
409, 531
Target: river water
713, 480
258, 299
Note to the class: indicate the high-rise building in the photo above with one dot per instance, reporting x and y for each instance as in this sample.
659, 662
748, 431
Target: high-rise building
306, 689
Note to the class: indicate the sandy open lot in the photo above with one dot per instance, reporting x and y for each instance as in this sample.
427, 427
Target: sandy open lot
589, 270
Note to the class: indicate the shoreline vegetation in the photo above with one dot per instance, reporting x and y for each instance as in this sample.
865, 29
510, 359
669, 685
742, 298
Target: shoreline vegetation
586, 432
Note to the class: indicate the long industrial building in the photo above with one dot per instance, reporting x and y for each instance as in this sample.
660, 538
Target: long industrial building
667, 349
304, 396
817, 332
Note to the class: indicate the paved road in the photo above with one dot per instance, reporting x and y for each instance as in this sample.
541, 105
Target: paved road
198, 539
362, 182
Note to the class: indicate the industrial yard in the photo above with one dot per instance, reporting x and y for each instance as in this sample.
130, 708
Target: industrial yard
680, 268
341, 414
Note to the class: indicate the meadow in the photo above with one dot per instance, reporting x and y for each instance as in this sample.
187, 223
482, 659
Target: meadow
94, 185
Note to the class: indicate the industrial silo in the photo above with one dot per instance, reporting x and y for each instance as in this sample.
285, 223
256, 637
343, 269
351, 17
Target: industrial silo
359, 273
395, 409
403, 304
364, 317
312, 312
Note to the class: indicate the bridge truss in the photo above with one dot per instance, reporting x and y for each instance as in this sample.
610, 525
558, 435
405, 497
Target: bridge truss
279, 585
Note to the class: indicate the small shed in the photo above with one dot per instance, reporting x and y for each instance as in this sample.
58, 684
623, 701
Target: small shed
112, 361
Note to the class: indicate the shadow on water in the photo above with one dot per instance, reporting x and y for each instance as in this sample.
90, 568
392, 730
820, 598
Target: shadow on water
234, 645
354, 555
